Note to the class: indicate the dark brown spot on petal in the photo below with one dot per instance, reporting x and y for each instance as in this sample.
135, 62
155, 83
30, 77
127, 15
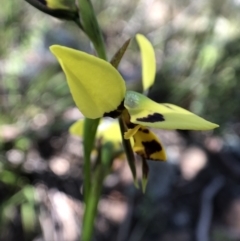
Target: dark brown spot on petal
151, 147
115, 113
152, 118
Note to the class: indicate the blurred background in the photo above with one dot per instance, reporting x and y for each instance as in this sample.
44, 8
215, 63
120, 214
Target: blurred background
195, 195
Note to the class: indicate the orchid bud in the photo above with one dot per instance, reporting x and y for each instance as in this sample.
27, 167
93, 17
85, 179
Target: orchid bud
63, 9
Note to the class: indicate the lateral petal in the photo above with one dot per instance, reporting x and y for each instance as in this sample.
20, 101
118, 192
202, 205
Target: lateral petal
146, 112
148, 61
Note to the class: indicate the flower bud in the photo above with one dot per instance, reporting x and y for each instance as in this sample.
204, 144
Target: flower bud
63, 9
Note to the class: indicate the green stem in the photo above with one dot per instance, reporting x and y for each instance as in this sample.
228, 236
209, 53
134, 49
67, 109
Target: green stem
90, 129
90, 26
100, 173
91, 208
92, 185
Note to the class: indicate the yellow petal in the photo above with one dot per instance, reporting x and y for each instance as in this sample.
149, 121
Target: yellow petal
146, 112
131, 132
76, 128
148, 61
96, 86
108, 130
147, 145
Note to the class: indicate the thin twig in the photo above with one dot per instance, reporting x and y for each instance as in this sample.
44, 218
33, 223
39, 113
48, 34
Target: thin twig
206, 210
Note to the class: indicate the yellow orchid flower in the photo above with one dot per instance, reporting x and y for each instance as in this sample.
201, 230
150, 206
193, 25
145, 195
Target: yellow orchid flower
99, 90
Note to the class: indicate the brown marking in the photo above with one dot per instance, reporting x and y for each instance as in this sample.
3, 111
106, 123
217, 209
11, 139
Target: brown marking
151, 147
115, 113
155, 117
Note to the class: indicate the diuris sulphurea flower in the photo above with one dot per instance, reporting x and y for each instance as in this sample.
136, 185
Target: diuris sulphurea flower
99, 90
